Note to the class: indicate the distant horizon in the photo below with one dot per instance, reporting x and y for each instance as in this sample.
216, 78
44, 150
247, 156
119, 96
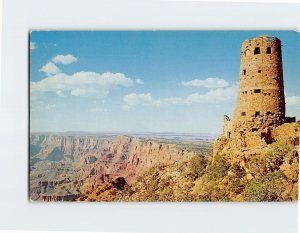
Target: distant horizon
124, 132
172, 136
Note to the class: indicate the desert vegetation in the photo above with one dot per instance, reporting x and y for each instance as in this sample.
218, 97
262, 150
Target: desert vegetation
270, 175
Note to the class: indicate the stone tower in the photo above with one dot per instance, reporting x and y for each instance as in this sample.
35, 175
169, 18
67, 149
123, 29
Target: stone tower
260, 104
260, 109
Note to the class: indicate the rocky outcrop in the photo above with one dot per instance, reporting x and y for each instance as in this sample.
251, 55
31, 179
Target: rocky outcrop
67, 197
287, 133
112, 190
263, 160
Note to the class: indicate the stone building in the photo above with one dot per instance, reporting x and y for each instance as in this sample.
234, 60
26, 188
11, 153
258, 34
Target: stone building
260, 103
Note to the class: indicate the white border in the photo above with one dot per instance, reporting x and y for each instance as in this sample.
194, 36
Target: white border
15, 210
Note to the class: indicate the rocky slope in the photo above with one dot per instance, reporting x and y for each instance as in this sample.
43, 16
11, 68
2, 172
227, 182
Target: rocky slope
63, 167
267, 175
259, 173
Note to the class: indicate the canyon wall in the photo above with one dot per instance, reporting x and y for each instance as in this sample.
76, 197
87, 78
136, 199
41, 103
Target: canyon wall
62, 167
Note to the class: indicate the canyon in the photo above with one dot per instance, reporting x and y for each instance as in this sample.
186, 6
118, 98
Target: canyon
62, 167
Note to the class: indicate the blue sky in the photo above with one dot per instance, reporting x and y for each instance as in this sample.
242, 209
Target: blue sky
144, 81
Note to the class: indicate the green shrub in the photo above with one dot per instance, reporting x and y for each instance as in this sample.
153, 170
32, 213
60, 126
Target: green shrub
218, 168
237, 170
265, 188
264, 164
197, 166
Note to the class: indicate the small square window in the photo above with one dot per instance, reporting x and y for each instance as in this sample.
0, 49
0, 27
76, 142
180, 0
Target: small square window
259, 71
257, 114
257, 91
269, 50
243, 113
257, 50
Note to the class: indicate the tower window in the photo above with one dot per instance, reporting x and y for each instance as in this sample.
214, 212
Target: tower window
257, 114
243, 113
228, 134
244, 72
259, 71
257, 50
257, 91
269, 50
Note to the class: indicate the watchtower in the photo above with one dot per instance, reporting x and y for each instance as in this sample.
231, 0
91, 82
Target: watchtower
260, 103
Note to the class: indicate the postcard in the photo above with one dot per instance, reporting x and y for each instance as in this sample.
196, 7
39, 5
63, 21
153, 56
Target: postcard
164, 116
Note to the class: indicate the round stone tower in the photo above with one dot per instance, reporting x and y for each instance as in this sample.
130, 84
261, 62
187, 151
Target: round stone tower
260, 103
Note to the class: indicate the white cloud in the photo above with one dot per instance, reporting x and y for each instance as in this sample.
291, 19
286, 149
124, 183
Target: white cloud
83, 84
212, 96
293, 100
139, 81
207, 83
135, 99
126, 107
147, 99
215, 95
89, 92
50, 68
64, 59
173, 100
60, 93
32, 46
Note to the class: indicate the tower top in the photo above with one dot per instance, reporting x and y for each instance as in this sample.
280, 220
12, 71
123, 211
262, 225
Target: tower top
265, 38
